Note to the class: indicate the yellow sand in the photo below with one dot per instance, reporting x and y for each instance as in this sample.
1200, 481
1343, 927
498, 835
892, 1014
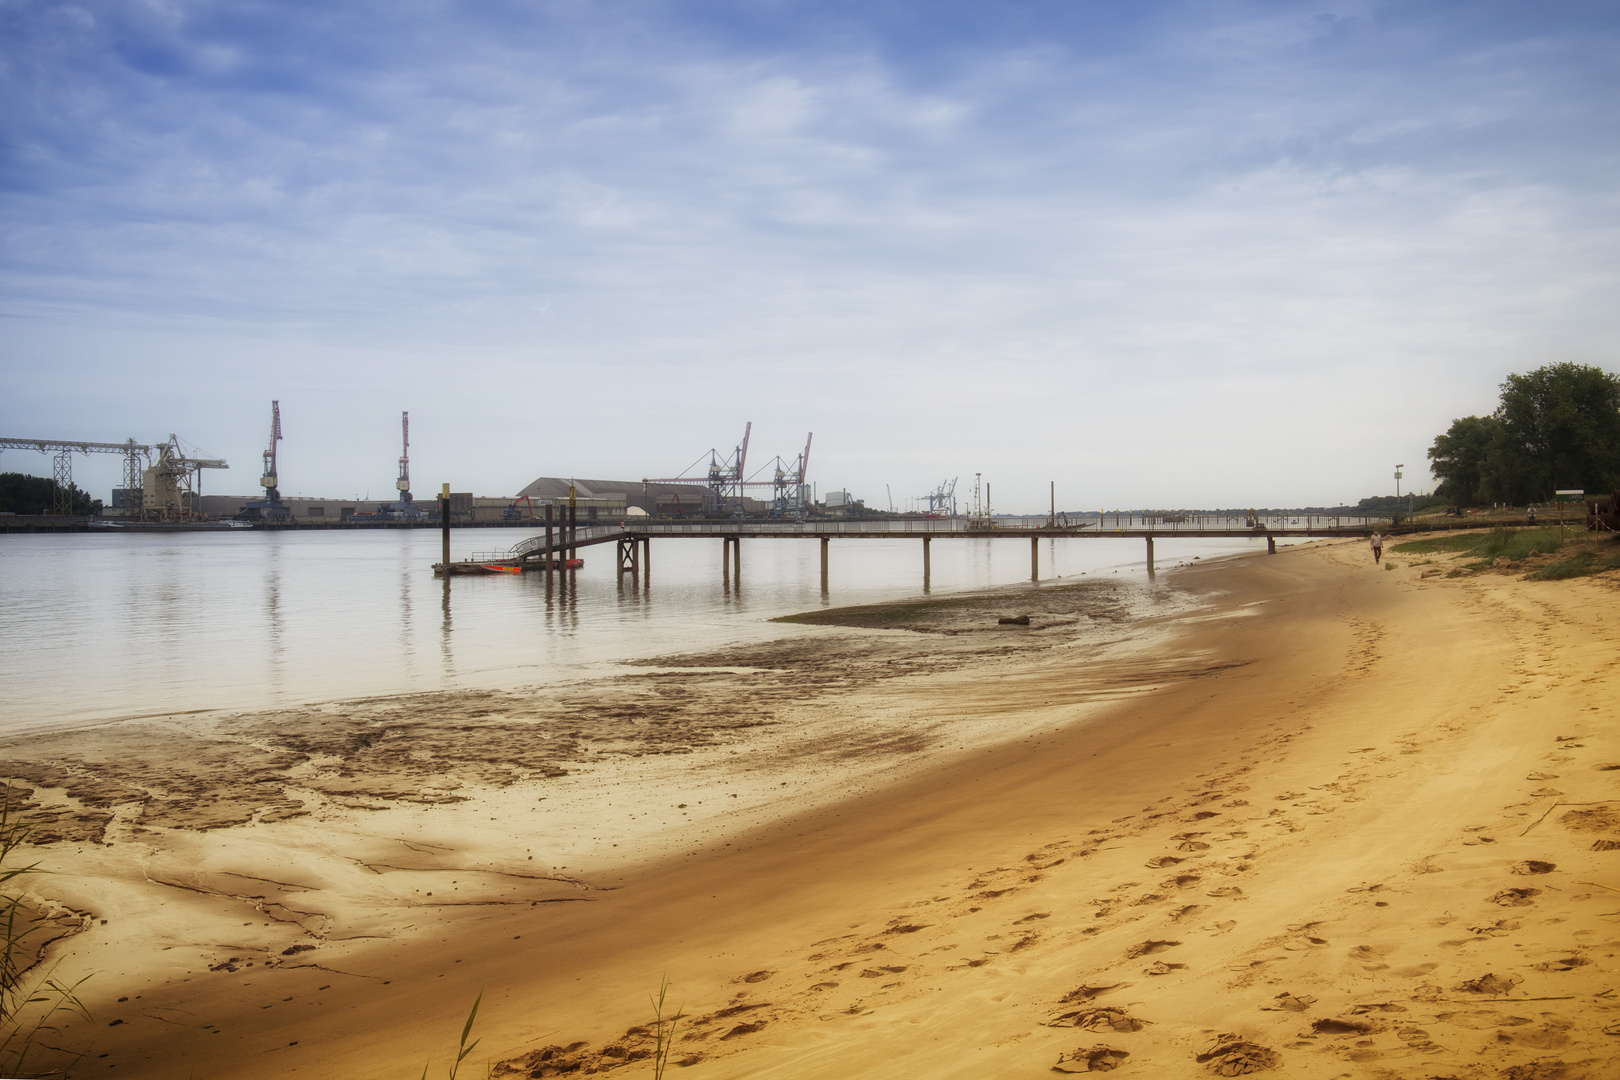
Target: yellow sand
1296, 824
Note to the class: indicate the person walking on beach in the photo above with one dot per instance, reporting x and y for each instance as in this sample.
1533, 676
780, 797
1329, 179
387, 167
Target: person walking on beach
1378, 547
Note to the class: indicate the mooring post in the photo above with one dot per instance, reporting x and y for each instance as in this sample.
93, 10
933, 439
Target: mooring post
1271, 544
725, 560
824, 542
926, 567
646, 560
444, 522
627, 559
549, 509
736, 559
1034, 558
1150, 554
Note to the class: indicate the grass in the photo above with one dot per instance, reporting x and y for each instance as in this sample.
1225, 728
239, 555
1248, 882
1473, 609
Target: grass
1437, 544
28, 1004
1514, 543
1581, 563
463, 1048
1590, 557
663, 1029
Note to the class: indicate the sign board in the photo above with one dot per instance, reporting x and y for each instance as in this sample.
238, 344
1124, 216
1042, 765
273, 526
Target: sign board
1571, 495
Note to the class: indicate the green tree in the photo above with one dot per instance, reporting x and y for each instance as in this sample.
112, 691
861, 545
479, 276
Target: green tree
1562, 422
1461, 458
1557, 427
24, 494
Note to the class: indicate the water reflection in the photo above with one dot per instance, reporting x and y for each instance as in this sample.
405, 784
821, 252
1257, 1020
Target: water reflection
277, 667
447, 655
103, 626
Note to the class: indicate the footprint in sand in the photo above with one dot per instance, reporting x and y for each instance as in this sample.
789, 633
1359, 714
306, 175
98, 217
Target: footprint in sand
1147, 948
1515, 897
1100, 1018
1232, 1056
1529, 867
1091, 1059
1338, 1027
1286, 1002
1567, 963
1225, 891
1488, 984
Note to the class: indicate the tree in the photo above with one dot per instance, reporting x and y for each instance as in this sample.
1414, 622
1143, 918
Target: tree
24, 494
1557, 427
1563, 422
1461, 458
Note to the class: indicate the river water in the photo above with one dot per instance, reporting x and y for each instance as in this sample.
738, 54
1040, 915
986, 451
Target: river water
102, 626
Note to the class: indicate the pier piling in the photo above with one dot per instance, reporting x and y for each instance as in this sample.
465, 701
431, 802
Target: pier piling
926, 567
1034, 558
824, 543
444, 520
1150, 554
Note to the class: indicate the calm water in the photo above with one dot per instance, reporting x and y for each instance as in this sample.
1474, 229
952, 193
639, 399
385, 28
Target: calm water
103, 626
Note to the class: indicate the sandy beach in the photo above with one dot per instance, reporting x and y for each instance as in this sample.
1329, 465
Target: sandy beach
1289, 812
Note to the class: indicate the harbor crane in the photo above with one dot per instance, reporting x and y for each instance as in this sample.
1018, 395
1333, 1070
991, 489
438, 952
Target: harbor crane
269, 508
788, 499
174, 481
724, 480
942, 500
403, 484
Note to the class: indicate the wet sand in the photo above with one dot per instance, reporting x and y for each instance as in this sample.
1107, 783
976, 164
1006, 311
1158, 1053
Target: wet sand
1304, 813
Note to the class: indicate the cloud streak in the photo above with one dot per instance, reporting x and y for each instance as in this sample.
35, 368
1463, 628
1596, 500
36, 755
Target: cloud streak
914, 228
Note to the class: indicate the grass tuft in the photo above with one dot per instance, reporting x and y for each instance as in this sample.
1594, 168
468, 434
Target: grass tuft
663, 1029
463, 1048
28, 1004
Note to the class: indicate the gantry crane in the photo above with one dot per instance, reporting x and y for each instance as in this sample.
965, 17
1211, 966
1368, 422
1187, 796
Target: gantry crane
789, 498
62, 465
403, 484
724, 480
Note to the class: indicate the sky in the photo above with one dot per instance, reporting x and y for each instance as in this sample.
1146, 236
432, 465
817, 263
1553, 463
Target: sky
1162, 254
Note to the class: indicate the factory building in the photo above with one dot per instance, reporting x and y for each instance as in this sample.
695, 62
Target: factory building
608, 498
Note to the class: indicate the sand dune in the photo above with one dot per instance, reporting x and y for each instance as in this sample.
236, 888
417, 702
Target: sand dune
1322, 818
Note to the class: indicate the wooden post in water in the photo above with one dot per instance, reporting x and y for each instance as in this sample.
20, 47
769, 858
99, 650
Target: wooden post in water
824, 542
736, 556
1150, 554
549, 509
1271, 544
926, 567
573, 526
1034, 558
444, 522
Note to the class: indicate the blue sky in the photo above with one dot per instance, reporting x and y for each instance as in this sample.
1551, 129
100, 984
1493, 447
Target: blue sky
1166, 254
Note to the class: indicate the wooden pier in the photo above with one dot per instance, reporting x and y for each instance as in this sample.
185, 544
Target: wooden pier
545, 552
